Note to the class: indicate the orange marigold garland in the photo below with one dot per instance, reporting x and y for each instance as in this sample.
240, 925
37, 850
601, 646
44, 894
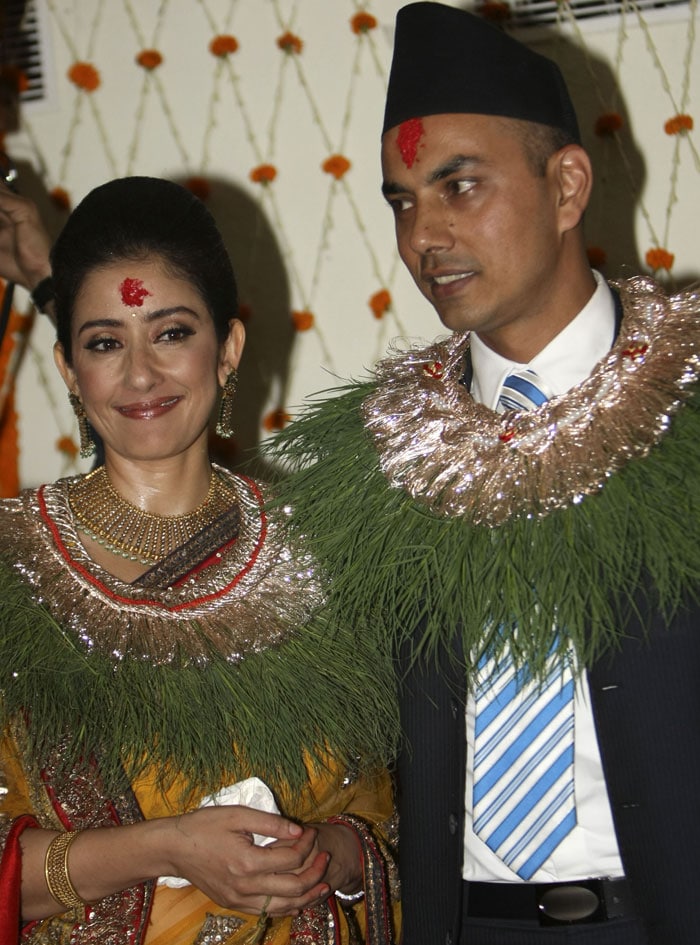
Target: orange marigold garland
149, 59
380, 302
199, 186
67, 446
608, 123
59, 198
363, 23
263, 174
9, 439
9, 451
223, 45
290, 43
15, 77
659, 258
495, 11
336, 165
303, 320
85, 76
679, 124
276, 420
597, 256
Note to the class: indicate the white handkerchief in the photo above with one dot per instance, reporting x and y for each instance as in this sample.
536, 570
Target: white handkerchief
249, 793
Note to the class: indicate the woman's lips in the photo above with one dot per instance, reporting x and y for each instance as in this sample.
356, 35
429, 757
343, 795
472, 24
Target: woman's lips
149, 410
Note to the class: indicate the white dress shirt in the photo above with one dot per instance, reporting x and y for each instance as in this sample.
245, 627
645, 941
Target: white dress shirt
591, 848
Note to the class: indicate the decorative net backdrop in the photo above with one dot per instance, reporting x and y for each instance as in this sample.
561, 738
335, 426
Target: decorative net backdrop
271, 111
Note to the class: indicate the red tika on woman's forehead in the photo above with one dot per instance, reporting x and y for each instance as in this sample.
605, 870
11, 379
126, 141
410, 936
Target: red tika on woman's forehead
133, 292
410, 133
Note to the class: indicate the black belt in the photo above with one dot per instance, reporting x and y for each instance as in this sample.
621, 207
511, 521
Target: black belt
590, 900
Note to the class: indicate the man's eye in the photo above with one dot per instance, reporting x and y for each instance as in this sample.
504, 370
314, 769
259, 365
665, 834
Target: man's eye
400, 205
463, 186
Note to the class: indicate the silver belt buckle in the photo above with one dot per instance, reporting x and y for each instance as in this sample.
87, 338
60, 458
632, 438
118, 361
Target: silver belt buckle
569, 903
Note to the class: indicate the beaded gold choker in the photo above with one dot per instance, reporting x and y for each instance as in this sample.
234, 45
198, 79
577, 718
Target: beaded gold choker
125, 530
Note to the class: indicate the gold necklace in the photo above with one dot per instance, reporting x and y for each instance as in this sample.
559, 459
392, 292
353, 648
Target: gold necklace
125, 530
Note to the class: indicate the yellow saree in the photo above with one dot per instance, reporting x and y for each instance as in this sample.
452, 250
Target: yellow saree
216, 667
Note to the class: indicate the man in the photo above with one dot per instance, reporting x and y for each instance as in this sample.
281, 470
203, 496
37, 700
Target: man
524, 518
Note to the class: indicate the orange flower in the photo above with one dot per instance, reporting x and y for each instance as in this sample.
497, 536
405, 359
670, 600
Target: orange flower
380, 302
223, 45
59, 197
290, 43
67, 445
245, 312
363, 23
495, 11
337, 165
597, 256
679, 124
608, 123
303, 320
276, 420
263, 173
149, 59
659, 258
84, 75
199, 186
16, 77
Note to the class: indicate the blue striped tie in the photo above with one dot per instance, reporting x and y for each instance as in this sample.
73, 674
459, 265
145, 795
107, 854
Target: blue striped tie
522, 390
523, 795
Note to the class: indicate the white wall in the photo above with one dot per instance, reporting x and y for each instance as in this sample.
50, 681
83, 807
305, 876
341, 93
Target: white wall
306, 241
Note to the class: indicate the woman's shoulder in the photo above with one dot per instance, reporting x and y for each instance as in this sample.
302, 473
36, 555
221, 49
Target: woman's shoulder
17, 514
28, 525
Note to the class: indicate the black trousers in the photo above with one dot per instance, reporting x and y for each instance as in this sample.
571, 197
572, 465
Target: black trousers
504, 932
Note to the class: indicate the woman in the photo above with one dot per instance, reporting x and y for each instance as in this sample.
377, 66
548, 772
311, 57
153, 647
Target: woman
161, 644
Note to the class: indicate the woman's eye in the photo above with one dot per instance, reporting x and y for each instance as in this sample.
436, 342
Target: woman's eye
102, 344
175, 333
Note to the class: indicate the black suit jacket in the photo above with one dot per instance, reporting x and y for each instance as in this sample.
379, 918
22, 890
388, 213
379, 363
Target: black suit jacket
646, 703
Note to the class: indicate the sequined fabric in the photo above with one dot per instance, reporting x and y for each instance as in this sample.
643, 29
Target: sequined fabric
255, 596
63, 800
461, 459
315, 926
218, 929
259, 592
378, 890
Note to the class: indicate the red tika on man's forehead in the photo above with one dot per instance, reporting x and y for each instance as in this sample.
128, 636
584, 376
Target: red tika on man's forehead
133, 292
410, 133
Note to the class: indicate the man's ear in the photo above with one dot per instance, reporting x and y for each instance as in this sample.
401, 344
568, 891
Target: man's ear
64, 369
231, 350
572, 172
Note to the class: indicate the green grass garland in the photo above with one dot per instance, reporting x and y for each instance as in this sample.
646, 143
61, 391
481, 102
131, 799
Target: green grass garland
323, 688
579, 567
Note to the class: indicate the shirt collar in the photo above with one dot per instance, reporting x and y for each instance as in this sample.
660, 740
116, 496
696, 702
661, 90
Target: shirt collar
567, 360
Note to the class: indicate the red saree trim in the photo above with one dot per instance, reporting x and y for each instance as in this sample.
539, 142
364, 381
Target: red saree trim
10, 882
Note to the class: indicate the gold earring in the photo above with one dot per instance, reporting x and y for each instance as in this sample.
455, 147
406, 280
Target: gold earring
224, 423
87, 445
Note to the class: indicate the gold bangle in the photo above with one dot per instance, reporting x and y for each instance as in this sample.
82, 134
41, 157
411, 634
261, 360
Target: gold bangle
56, 871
